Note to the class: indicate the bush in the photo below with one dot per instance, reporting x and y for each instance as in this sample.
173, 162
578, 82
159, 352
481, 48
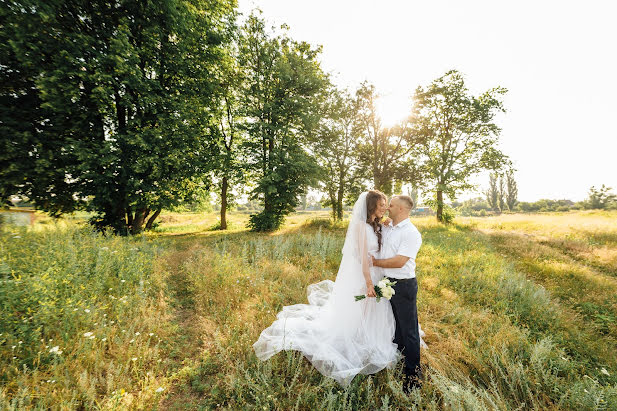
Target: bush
265, 221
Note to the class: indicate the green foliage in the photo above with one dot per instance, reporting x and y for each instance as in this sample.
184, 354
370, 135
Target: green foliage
458, 134
511, 195
120, 99
284, 84
492, 194
601, 198
472, 207
546, 205
335, 148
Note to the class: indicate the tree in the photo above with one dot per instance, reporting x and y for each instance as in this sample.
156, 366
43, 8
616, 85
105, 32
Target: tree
492, 194
335, 147
511, 190
284, 86
122, 98
383, 153
600, 198
502, 194
229, 156
458, 134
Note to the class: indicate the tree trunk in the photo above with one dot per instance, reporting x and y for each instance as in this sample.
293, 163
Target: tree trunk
152, 218
334, 203
138, 221
440, 206
339, 204
129, 217
224, 203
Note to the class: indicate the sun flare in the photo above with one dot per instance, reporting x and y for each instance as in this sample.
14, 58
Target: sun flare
393, 108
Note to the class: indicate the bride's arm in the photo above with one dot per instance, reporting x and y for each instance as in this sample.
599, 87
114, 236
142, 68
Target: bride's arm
364, 256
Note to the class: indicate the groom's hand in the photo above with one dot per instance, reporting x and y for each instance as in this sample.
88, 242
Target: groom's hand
374, 261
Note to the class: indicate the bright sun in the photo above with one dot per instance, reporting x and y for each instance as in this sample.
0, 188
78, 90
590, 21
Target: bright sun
393, 108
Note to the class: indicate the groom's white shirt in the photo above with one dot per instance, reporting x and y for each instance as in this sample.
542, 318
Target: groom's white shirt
402, 239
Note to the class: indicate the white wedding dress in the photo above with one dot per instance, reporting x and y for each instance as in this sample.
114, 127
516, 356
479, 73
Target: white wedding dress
341, 337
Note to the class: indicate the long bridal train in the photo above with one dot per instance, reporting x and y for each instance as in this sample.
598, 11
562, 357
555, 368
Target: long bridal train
339, 336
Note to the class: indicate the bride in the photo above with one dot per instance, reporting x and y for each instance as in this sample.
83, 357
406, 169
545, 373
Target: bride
342, 337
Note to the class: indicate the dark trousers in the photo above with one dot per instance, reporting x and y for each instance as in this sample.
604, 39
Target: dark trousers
406, 335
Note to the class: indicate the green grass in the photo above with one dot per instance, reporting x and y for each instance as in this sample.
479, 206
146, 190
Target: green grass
519, 313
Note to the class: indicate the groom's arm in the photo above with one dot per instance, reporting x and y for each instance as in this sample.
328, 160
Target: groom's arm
395, 262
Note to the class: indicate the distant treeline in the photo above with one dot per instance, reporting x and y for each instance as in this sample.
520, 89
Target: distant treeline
598, 199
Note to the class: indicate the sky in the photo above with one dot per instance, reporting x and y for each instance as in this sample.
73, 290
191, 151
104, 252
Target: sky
558, 59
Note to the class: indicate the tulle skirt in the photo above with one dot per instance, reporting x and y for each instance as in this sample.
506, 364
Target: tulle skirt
341, 337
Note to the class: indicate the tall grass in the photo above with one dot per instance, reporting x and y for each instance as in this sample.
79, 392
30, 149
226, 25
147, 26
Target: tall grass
80, 324
497, 340
516, 317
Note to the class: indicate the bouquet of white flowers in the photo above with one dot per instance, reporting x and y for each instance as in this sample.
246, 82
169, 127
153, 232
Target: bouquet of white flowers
382, 289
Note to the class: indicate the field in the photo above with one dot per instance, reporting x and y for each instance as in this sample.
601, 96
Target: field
520, 312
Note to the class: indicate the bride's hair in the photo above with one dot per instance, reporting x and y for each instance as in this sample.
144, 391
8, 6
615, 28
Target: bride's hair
372, 199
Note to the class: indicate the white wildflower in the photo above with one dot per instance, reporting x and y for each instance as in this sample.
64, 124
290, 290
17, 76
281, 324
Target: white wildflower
89, 335
137, 333
87, 310
134, 359
603, 371
160, 389
122, 281
151, 334
55, 350
131, 342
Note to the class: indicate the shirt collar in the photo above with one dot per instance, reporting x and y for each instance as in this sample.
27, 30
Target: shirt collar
403, 223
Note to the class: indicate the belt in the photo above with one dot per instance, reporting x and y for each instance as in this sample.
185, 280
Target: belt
399, 279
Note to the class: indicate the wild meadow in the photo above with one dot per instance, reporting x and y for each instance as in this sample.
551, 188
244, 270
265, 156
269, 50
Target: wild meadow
520, 312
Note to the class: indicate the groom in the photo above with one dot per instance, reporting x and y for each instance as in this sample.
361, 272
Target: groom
401, 243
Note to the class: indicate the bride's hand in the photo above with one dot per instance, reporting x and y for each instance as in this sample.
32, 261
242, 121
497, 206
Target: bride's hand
370, 290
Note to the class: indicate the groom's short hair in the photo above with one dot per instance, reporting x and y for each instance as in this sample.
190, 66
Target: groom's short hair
406, 200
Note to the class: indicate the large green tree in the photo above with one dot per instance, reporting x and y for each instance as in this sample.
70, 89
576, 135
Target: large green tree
458, 133
335, 147
284, 86
122, 94
230, 157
